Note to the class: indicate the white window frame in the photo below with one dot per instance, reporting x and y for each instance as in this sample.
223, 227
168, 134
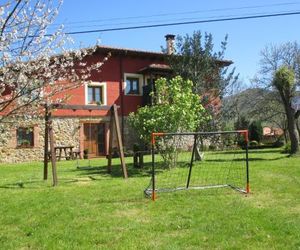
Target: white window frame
95, 84
141, 83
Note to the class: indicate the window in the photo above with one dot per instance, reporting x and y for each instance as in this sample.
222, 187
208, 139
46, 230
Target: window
95, 93
25, 137
133, 84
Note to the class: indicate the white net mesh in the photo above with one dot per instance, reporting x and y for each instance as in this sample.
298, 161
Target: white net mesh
199, 161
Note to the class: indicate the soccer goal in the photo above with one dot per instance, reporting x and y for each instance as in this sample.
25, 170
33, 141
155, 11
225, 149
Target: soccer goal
202, 160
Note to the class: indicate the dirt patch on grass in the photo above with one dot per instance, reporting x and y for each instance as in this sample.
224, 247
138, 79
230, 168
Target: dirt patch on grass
133, 213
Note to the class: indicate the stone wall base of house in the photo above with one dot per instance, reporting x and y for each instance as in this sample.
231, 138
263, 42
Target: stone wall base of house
67, 132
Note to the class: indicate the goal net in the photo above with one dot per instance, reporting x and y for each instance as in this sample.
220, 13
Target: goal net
202, 160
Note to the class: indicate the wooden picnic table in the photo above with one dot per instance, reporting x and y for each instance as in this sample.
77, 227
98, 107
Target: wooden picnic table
68, 151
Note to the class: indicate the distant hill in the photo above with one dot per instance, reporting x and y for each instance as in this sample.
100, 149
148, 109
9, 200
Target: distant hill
255, 104
243, 103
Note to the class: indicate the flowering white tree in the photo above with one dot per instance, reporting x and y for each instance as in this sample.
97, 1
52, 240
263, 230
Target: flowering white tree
34, 66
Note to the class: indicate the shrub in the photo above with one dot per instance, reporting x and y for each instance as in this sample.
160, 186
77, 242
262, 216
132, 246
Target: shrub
136, 147
241, 142
278, 143
241, 123
287, 148
253, 143
228, 142
212, 147
256, 131
85, 153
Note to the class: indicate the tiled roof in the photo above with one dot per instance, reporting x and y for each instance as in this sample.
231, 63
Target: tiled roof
128, 50
138, 52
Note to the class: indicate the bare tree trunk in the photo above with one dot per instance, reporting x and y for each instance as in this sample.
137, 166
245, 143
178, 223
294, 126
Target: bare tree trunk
285, 94
293, 132
298, 126
285, 133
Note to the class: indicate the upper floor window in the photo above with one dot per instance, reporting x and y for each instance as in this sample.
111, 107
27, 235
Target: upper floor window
133, 84
96, 93
25, 137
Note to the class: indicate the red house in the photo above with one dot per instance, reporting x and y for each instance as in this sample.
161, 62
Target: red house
124, 80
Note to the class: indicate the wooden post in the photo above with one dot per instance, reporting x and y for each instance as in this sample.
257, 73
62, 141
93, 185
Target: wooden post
111, 127
114, 123
52, 150
46, 152
119, 139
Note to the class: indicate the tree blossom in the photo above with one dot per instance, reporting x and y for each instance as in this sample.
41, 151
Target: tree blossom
34, 66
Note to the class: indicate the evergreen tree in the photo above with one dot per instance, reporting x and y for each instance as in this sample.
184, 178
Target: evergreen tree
241, 123
256, 131
196, 60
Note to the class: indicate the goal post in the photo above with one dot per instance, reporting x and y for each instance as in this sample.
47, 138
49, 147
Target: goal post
199, 160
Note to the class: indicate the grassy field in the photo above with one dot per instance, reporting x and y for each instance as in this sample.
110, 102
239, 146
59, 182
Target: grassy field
93, 210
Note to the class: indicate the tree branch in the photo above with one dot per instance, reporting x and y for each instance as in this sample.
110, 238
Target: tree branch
9, 16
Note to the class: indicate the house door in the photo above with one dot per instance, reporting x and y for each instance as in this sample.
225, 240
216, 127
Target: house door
94, 139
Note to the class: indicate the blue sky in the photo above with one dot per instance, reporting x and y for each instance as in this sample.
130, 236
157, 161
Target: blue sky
246, 37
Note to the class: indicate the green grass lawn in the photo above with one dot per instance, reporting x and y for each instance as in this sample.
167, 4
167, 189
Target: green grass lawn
91, 209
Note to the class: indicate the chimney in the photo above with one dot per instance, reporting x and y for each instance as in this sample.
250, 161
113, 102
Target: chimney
170, 43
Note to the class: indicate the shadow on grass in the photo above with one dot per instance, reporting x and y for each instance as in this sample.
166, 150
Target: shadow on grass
243, 159
100, 173
159, 168
41, 184
116, 170
84, 174
256, 151
23, 185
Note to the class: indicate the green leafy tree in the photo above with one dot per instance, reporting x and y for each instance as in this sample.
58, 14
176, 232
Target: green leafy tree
176, 109
284, 82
